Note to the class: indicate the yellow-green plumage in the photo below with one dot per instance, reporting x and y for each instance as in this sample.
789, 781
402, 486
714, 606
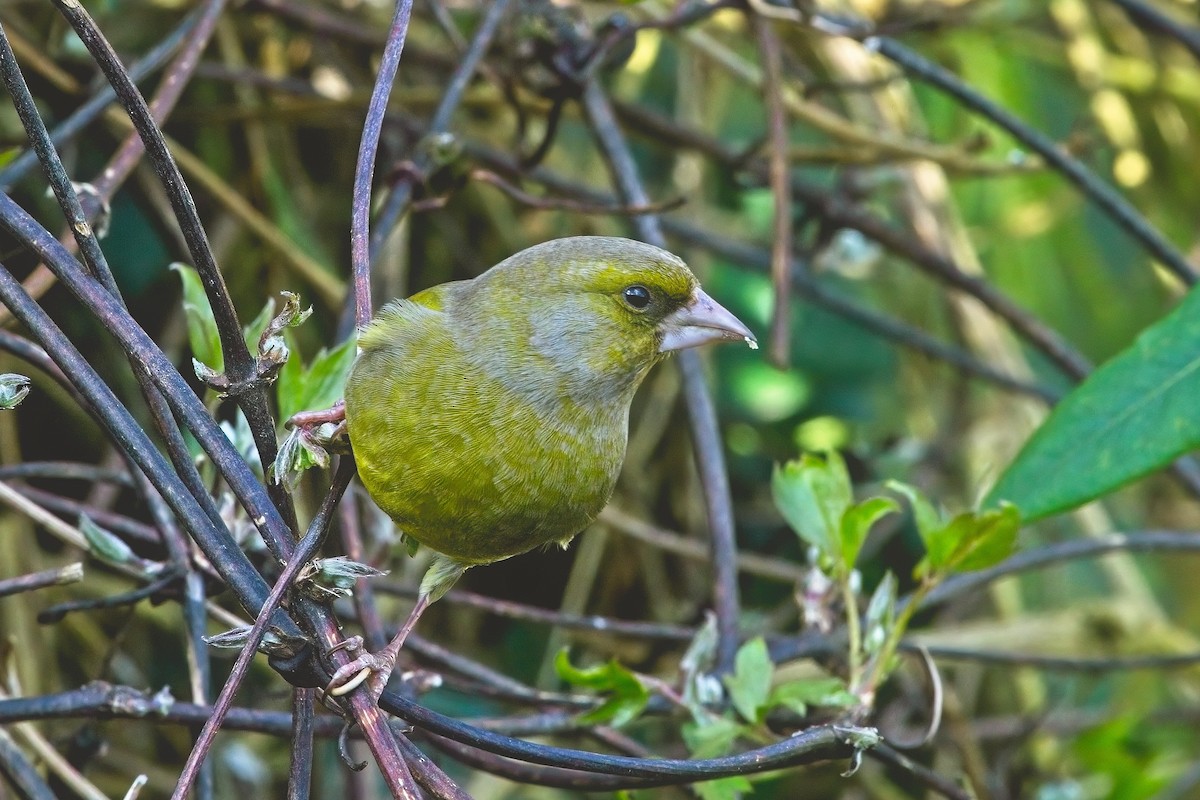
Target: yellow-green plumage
489, 417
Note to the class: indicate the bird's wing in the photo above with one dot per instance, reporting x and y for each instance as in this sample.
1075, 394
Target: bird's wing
422, 310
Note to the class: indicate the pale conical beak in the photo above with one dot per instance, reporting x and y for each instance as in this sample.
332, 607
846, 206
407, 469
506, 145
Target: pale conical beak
701, 321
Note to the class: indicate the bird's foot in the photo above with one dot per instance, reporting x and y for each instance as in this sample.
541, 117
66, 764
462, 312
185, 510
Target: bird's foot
335, 414
373, 668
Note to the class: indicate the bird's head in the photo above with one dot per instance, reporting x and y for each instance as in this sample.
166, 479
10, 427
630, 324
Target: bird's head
594, 313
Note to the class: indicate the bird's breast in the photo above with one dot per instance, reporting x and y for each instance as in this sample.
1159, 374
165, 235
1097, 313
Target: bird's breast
473, 469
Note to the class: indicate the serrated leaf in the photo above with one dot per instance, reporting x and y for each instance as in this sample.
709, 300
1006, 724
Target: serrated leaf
712, 737
1133, 415
319, 385
203, 337
812, 494
750, 684
857, 522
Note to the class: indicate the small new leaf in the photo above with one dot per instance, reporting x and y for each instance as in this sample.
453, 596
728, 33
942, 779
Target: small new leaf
699, 687
972, 541
203, 336
857, 522
628, 697
881, 614
273, 642
104, 545
109, 548
303, 449
820, 692
272, 347
925, 514
13, 388
340, 572
253, 330
750, 684
812, 494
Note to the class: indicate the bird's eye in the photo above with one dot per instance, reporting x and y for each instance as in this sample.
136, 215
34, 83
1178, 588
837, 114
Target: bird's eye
637, 296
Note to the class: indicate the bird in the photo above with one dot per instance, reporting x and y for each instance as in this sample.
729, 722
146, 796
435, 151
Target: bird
489, 417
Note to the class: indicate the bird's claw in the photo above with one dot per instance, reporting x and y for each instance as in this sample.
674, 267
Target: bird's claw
374, 668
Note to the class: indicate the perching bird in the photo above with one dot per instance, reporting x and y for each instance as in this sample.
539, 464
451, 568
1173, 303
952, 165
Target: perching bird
489, 417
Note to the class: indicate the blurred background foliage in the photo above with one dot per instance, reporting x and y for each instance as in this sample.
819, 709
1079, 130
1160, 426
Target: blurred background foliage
267, 134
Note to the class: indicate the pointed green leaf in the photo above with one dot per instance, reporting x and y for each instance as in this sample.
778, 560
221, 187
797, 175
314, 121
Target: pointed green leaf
993, 540
320, 385
881, 614
104, 545
812, 494
925, 514
799, 695
750, 684
973, 540
203, 337
628, 696
1133, 415
254, 329
857, 522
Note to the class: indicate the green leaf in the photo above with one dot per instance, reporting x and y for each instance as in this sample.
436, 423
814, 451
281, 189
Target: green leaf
318, 386
711, 737
203, 337
857, 522
730, 788
629, 696
812, 494
971, 541
254, 329
750, 684
881, 614
13, 389
104, 545
699, 687
1133, 415
925, 514
799, 695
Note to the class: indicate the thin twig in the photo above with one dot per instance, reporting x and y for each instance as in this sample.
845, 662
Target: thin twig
710, 456
364, 170
305, 550
781, 239
71, 573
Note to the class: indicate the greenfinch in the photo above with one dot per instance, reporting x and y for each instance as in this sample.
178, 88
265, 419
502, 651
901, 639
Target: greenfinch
489, 417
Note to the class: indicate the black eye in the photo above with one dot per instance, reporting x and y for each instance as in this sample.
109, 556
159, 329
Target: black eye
637, 296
